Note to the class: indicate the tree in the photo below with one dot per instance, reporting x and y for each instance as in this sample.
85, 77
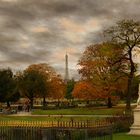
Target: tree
53, 84
8, 87
69, 88
126, 33
46, 72
40, 80
97, 66
30, 82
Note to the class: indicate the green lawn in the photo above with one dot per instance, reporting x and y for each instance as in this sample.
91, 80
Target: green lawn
43, 118
71, 111
80, 111
125, 136
122, 136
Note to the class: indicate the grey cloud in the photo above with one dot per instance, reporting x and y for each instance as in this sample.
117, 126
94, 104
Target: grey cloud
16, 19
23, 57
11, 24
94, 37
28, 10
51, 8
17, 12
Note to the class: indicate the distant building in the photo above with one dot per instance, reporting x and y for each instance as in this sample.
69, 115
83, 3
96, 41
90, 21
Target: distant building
66, 69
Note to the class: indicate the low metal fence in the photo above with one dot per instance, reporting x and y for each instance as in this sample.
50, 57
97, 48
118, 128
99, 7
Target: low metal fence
69, 124
26, 130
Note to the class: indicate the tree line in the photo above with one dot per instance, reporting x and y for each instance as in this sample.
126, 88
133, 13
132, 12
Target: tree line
106, 69
37, 81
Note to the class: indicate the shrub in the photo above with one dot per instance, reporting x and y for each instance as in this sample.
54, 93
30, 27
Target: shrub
121, 123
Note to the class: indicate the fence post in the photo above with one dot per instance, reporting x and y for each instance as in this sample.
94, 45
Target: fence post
86, 134
111, 137
87, 124
72, 122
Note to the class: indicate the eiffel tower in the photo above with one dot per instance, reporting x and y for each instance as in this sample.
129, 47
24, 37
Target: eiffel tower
66, 69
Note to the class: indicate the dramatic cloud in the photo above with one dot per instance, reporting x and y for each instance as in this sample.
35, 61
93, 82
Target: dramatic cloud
42, 31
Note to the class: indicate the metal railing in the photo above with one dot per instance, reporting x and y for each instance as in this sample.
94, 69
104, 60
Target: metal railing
55, 130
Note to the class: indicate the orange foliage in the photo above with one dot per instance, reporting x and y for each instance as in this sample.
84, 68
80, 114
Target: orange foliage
85, 90
44, 69
57, 88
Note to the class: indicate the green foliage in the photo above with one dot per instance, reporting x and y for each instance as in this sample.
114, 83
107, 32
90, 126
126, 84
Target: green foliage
135, 86
134, 89
121, 123
69, 88
31, 82
8, 86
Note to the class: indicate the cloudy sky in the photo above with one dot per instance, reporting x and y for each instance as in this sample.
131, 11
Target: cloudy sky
42, 31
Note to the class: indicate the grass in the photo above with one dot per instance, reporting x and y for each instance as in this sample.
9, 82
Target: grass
42, 118
71, 111
80, 111
125, 136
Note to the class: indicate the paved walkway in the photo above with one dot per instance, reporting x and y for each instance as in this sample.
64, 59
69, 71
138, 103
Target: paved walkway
22, 113
29, 114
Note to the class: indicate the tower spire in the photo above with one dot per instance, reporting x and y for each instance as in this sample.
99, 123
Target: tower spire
66, 68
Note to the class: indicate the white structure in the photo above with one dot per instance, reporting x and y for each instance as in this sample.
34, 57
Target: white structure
135, 128
138, 101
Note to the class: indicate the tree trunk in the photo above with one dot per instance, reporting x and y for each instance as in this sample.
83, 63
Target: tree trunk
128, 97
129, 86
31, 103
58, 103
8, 104
44, 101
87, 102
109, 103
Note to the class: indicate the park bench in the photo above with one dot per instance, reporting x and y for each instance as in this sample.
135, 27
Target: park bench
51, 105
82, 105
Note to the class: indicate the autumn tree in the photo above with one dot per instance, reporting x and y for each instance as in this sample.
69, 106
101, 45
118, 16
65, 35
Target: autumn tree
126, 33
97, 65
8, 87
56, 88
84, 89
